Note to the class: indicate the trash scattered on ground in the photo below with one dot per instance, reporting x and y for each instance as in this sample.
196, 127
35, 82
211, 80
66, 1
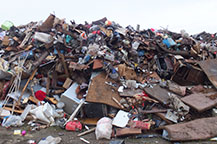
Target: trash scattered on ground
118, 81
50, 140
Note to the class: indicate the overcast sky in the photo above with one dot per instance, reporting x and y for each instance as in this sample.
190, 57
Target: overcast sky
192, 15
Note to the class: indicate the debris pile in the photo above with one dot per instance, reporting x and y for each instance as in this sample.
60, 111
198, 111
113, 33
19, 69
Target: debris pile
124, 81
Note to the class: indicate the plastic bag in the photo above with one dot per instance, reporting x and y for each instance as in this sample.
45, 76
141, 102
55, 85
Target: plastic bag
13, 121
104, 128
51, 140
47, 113
38, 113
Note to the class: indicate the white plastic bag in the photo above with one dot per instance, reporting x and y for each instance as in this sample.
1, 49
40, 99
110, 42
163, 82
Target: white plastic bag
104, 128
51, 140
38, 114
46, 113
13, 120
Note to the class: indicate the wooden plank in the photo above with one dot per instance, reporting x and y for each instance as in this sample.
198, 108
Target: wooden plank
154, 111
34, 100
48, 85
54, 79
158, 93
10, 109
89, 121
62, 59
127, 131
30, 78
199, 129
210, 68
87, 132
162, 115
200, 101
67, 83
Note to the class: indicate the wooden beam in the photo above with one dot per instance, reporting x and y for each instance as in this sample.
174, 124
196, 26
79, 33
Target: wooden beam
62, 58
30, 78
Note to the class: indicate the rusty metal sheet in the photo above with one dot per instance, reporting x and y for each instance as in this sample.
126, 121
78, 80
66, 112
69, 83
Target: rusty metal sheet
200, 101
210, 68
100, 92
199, 129
158, 93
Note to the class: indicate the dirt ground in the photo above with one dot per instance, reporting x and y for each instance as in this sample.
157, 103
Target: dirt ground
68, 137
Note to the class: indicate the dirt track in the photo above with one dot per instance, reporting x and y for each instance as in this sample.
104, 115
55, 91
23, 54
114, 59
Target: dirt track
7, 137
